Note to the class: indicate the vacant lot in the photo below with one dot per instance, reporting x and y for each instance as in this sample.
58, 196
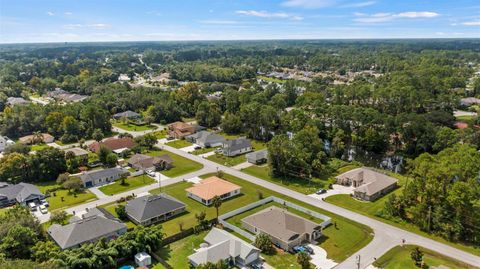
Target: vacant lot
69, 199
133, 127
178, 144
227, 161
130, 184
181, 165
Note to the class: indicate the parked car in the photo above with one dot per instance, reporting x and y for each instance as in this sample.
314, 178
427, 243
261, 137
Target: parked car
170, 138
197, 147
32, 206
298, 249
45, 202
321, 191
150, 173
219, 150
257, 266
309, 250
43, 209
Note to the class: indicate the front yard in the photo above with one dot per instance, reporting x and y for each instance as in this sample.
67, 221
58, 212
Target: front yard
227, 161
38, 147
130, 184
399, 258
181, 165
133, 127
178, 144
69, 199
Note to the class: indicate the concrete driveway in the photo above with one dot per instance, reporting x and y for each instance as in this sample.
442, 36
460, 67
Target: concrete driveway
189, 148
337, 189
319, 258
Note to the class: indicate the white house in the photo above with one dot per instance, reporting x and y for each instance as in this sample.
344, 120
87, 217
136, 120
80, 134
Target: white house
5, 142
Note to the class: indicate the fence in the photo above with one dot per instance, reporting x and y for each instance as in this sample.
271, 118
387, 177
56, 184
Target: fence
222, 219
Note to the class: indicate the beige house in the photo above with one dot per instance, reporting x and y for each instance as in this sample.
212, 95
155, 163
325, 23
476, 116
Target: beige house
205, 190
286, 230
369, 184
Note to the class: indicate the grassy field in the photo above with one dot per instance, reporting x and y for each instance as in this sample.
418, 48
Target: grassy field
160, 134
340, 242
110, 207
178, 144
399, 258
130, 184
133, 127
276, 80
38, 147
181, 165
257, 145
70, 199
177, 252
202, 151
227, 161
373, 209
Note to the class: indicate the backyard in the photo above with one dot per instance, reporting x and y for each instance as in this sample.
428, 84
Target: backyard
110, 207
399, 258
130, 184
69, 198
132, 127
179, 143
181, 165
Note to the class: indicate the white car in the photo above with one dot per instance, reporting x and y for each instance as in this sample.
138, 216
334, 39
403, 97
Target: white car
32, 206
150, 173
43, 209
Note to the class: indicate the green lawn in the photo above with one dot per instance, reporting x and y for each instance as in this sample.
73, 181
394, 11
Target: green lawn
176, 254
276, 80
38, 147
373, 210
227, 161
257, 145
340, 242
3, 211
70, 199
466, 118
202, 151
399, 258
160, 134
110, 207
181, 165
133, 127
130, 184
178, 144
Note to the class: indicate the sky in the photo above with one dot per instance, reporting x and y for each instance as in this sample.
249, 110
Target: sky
25, 21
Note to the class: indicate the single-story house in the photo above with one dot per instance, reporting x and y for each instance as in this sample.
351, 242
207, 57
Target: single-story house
150, 209
222, 246
205, 190
369, 184
64, 96
206, 139
286, 230
145, 162
257, 157
101, 177
113, 144
180, 129
5, 142
236, 147
77, 152
22, 193
33, 139
131, 115
469, 101
15, 101
93, 226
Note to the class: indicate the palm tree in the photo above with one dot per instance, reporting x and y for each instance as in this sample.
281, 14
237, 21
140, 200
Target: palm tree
217, 203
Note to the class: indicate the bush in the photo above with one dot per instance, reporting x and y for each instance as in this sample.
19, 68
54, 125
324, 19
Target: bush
121, 212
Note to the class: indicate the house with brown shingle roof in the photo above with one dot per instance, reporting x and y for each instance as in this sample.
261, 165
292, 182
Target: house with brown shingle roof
145, 162
369, 184
180, 129
34, 139
112, 144
205, 190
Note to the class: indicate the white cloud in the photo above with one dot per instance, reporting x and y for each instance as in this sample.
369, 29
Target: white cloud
68, 13
310, 4
385, 16
49, 13
360, 4
98, 25
471, 23
73, 26
265, 14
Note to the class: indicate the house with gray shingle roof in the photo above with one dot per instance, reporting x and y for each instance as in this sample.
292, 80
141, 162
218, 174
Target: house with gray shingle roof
93, 226
131, 115
206, 139
257, 157
15, 101
22, 193
150, 209
101, 177
236, 147
222, 246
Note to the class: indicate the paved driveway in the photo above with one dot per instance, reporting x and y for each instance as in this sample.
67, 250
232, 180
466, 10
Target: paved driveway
337, 189
319, 258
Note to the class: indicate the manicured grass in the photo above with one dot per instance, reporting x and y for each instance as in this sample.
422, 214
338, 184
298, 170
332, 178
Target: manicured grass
399, 258
160, 134
276, 80
70, 199
133, 127
340, 242
130, 184
38, 147
257, 145
466, 118
110, 207
178, 144
227, 161
181, 165
202, 151
373, 210
176, 254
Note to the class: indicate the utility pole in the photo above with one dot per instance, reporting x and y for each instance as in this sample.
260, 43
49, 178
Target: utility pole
429, 216
358, 261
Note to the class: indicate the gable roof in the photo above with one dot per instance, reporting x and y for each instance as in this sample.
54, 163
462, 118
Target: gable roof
127, 114
281, 224
113, 143
20, 192
97, 174
150, 206
28, 139
258, 155
84, 230
208, 137
211, 187
371, 181
222, 245
141, 161
237, 144
77, 151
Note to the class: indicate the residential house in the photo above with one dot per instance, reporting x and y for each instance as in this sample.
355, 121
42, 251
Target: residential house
123, 77
222, 246
286, 230
205, 190
22, 193
180, 129
127, 114
369, 184
101, 177
469, 101
236, 147
150, 209
206, 139
93, 226
34, 139
15, 101
5, 142
257, 157
64, 96
145, 162
77, 152
113, 144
